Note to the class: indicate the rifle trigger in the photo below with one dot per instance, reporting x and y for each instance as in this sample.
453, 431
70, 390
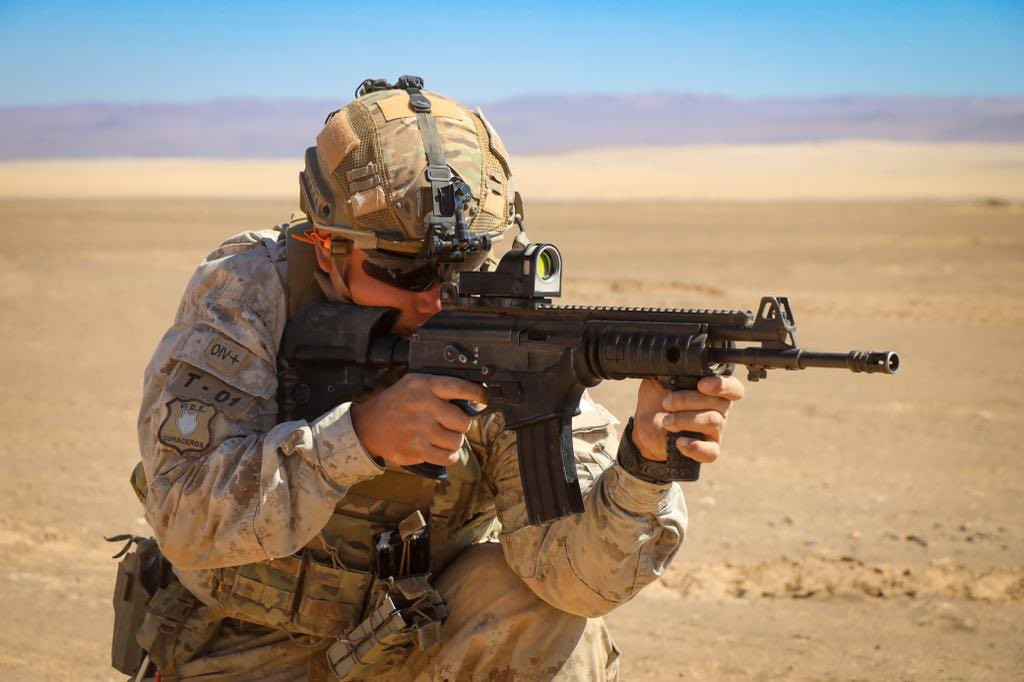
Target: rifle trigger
468, 408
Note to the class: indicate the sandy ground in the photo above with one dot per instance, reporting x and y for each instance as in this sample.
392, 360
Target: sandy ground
858, 527
854, 169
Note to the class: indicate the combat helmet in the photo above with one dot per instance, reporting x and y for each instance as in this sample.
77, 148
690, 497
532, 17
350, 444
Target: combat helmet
408, 174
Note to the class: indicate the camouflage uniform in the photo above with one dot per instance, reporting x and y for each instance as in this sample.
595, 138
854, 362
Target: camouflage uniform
227, 486
271, 525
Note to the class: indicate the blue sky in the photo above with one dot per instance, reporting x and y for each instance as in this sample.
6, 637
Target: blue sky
60, 52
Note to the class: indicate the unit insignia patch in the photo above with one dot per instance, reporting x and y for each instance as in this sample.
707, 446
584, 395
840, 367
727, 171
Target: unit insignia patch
186, 428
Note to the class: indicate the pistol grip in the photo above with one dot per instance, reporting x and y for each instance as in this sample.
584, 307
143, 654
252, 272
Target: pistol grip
427, 470
436, 471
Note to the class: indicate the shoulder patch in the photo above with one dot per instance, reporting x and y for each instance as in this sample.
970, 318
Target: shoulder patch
213, 352
226, 355
192, 383
186, 428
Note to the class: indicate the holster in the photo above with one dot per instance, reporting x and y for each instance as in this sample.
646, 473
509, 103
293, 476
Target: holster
140, 574
154, 613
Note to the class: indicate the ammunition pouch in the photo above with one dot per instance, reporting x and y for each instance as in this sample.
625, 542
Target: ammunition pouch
407, 611
407, 615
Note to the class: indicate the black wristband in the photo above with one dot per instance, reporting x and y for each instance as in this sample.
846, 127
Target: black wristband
636, 464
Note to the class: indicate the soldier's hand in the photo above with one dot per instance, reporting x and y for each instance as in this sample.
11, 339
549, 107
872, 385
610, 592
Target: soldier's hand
705, 411
412, 421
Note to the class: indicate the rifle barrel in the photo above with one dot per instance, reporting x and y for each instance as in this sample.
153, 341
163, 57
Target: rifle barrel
870, 362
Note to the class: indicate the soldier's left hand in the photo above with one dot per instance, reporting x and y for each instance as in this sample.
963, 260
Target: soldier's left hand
705, 411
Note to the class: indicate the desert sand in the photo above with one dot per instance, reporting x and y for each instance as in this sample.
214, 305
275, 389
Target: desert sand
856, 527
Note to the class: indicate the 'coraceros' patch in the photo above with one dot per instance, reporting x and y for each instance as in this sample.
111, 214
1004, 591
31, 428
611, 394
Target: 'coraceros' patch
186, 428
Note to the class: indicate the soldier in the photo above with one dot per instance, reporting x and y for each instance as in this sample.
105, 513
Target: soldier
270, 526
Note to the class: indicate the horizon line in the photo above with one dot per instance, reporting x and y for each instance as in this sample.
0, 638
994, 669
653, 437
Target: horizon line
525, 96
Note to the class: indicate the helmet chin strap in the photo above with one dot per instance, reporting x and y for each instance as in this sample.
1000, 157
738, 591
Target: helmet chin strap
341, 249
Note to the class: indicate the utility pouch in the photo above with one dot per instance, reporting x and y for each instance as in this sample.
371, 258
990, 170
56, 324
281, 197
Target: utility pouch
177, 628
299, 594
140, 574
264, 593
332, 598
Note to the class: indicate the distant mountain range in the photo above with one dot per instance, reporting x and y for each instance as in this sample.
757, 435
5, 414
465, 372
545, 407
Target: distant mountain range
249, 128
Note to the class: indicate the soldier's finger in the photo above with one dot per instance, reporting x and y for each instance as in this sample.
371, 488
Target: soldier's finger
422, 450
727, 387
679, 401
704, 451
451, 417
709, 422
440, 457
436, 455
440, 437
453, 388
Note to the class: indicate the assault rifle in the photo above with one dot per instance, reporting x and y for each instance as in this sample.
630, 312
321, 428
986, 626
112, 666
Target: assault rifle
500, 329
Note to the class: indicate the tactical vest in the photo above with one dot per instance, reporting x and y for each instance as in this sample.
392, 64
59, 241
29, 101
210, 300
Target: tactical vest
325, 588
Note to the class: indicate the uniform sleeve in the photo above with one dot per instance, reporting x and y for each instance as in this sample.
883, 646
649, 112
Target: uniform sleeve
592, 562
226, 484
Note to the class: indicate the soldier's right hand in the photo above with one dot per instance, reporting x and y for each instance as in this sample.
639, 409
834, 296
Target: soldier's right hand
413, 421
